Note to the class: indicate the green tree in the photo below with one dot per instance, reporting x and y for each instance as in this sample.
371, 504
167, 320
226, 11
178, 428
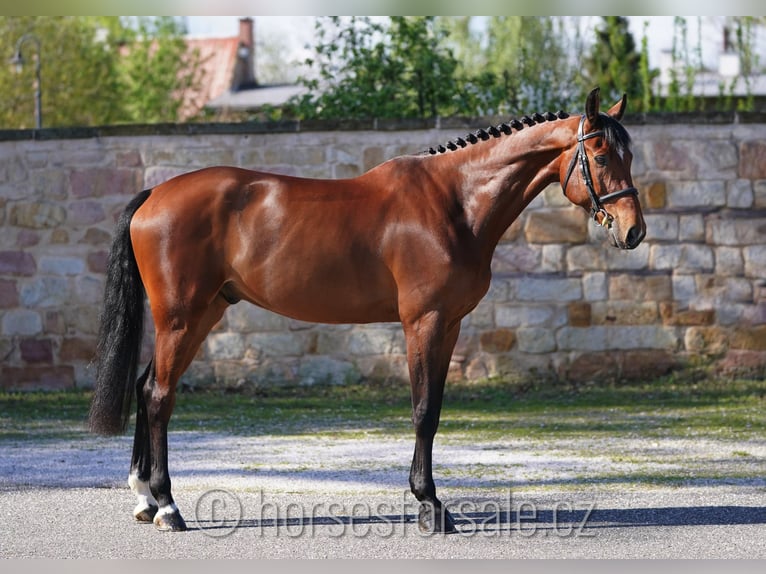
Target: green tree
95, 70
394, 68
613, 63
520, 64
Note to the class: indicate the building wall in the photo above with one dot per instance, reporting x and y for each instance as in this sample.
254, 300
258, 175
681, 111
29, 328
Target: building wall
562, 302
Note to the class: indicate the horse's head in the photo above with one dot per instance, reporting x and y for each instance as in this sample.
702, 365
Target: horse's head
595, 173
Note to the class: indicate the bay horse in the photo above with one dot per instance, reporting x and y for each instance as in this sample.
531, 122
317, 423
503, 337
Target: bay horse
409, 241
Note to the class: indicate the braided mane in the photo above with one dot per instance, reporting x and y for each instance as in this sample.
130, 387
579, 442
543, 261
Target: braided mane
506, 128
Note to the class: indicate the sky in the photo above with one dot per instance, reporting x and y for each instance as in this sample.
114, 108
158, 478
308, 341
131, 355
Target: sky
294, 32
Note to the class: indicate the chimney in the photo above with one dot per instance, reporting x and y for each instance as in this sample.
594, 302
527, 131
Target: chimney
244, 69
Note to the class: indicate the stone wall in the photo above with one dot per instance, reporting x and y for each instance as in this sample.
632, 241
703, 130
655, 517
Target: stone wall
562, 302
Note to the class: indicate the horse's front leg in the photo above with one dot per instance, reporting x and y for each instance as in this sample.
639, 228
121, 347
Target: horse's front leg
430, 343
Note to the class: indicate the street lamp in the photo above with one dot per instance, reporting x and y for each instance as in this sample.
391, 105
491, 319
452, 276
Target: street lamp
18, 61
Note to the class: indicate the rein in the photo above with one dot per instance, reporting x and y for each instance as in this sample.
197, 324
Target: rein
581, 157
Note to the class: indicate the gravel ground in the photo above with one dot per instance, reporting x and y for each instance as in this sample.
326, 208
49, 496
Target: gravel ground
314, 496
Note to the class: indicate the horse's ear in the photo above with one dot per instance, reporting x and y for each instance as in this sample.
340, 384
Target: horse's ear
618, 109
591, 105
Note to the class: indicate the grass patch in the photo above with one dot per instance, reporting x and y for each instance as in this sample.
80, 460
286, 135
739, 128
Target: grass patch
675, 406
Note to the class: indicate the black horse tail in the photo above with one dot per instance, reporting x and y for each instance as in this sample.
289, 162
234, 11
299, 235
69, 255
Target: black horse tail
120, 332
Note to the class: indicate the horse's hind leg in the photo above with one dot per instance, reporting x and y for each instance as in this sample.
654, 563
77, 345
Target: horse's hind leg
177, 341
140, 470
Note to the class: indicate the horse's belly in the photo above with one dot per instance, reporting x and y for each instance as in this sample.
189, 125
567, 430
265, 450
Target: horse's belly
329, 293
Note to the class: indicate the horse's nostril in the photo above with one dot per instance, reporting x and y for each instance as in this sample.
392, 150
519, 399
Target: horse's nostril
635, 236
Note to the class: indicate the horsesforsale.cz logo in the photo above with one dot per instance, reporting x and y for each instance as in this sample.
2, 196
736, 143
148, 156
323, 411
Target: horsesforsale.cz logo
219, 513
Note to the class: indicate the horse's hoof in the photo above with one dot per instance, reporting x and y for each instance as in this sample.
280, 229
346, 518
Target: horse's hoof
435, 519
170, 521
145, 513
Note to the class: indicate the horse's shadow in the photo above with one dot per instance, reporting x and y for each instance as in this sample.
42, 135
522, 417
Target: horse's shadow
526, 521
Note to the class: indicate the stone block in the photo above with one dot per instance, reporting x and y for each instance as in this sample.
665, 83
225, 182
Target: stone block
683, 258
691, 227
515, 229
633, 260
27, 238
100, 181
77, 349
670, 155
97, 261
581, 338
61, 265
594, 286
36, 350
729, 261
739, 363
553, 259
739, 194
585, 258
579, 314
88, 289
96, 236
745, 231
85, 212
640, 288
673, 315
568, 225
513, 316
48, 184
553, 289
18, 263
641, 337
684, 287
9, 294
696, 194
653, 195
624, 313
22, 322
368, 340
155, 175
661, 227
372, 156
752, 159
346, 170
513, 258
592, 366
710, 340
290, 344
223, 346
553, 196
295, 155
45, 292
748, 338
247, 318
59, 236
327, 370
37, 377
497, 341
646, 364
755, 261
536, 340
130, 158
759, 194
38, 215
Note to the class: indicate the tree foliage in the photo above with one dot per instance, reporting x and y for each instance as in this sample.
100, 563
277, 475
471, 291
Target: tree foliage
438, 66
613, 62
364, 67
95, 70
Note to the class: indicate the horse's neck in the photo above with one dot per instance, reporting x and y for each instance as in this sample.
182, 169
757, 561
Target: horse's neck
500, 181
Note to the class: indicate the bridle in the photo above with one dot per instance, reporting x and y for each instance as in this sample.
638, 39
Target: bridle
596, 201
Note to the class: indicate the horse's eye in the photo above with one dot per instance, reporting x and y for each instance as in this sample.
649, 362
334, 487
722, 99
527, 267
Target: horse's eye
601, 160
